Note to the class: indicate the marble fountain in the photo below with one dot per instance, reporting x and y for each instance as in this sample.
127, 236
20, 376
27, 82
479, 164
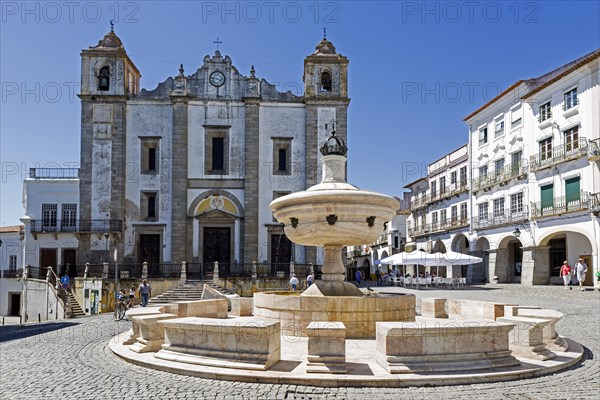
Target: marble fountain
334, 334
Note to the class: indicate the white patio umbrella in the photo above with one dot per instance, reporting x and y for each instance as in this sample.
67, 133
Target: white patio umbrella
455, 258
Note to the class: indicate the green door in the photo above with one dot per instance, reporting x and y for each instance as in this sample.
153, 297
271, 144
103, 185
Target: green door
572, 192
547, 195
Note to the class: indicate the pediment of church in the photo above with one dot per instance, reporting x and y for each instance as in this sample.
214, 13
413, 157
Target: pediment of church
217, 215
231, 85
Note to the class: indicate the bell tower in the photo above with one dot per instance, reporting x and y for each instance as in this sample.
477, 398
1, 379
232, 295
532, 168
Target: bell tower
326, 73
326, 99
108, 80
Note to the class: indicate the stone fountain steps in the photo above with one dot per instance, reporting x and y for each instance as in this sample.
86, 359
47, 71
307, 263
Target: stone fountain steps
185, 292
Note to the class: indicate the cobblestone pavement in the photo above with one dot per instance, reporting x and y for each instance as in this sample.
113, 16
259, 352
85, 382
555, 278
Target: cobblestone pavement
71, 360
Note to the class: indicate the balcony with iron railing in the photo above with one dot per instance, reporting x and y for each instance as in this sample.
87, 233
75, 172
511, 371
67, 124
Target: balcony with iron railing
559, 154
454, 189
500, 176
419, 202
12, 273
54, 173
562, 205
501, 217
439, 226
79, 225
449, 191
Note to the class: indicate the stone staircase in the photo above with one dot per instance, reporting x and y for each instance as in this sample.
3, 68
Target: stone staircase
186, 292
76, 310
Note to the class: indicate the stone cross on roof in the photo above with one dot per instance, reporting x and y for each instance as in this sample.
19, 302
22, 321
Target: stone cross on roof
217, 42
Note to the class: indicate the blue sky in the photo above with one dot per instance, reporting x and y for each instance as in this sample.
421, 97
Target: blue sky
416, 68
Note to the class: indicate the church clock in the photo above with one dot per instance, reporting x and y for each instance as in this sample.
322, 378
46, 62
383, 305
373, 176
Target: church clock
217, 78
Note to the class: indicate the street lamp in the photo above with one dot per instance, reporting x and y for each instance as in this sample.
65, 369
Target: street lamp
517, 232
106, 236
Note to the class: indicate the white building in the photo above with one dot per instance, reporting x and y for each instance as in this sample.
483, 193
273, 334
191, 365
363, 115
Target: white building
534, 152
11, 250
440, 209
52, 223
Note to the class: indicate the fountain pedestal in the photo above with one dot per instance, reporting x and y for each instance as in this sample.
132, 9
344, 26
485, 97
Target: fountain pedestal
332, 281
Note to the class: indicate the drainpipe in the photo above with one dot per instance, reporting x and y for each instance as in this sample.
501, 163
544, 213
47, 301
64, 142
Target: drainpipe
470, 185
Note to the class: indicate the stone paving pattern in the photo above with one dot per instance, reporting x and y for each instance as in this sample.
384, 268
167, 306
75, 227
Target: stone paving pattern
71, 360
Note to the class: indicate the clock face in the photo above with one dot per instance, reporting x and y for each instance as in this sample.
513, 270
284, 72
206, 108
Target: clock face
217, 78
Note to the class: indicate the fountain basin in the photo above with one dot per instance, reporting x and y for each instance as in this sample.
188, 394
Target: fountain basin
355, 216
359, 314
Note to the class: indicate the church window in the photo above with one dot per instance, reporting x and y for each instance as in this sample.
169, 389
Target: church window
282, 148
150, 205
326, 81
216, 156
104, 79
150, 152
282, 167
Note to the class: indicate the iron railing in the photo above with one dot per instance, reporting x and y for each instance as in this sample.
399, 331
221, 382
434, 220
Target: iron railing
194, 271
12, 273
36, 272
544, 116
449, 190
439, 226
559, 154
501, 217
79, 225
500, 176
561, 205
440, 194
54, 173
566, 106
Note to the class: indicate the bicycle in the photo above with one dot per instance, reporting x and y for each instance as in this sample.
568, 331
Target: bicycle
120, 309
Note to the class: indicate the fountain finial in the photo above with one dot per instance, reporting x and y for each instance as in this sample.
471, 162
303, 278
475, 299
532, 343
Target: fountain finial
334, 145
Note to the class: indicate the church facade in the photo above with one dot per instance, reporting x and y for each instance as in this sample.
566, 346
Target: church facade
185, 172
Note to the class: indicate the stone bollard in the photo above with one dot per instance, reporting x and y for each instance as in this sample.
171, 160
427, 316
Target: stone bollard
242, 306
216, 273
326, 348
183, 275
552, 339
526, 338
254, 270
145, 270
513, 311
433, 308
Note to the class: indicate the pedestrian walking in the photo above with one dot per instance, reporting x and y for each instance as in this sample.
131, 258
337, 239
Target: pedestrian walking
581, 270
379, 277
358, 277
565, 273
145, 292
131, 297
309, 280
294, 282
